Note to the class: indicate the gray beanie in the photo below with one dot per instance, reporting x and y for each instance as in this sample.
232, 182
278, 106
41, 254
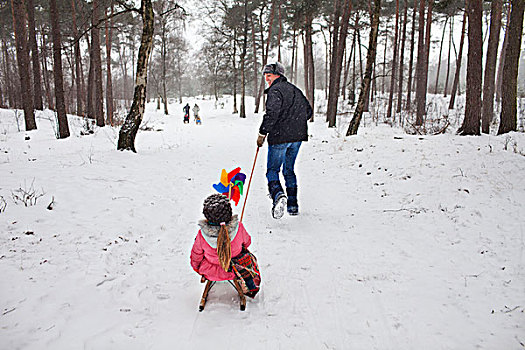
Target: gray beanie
274, 68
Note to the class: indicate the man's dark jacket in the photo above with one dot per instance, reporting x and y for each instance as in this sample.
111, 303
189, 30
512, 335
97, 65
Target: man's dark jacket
287, 113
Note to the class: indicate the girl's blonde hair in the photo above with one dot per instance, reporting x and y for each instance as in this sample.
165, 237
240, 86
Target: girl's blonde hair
224, 250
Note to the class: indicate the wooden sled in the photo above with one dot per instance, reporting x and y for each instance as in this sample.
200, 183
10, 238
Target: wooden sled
210, 284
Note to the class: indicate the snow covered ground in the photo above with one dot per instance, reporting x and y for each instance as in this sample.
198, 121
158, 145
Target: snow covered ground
402, 242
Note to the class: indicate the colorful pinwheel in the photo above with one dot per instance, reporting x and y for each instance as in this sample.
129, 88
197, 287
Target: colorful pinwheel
231, 184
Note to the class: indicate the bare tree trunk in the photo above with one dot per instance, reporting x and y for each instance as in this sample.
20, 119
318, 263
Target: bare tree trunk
131, 124
37, 82
490, 66
333, 58
370, 59
344, 73
8, 75
22, 57
179, 81
242, 113
448, 58
91, 84
501, 64
471, 122
296, 61
411, 61
326, 59
255, 69
45, 71
439, 59
76, 38
420, 66
354, 64
309, 63
422, 62
509, 86
264, 55
234, 41
394, 67
109, 84
294, 49
279, 34
458, 63
97, 64
63, 127
383, 77
402, 59
164, 53
333, 93
349, 61
306, 62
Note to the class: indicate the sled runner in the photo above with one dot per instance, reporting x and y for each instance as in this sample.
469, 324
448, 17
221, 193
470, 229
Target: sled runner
210, 284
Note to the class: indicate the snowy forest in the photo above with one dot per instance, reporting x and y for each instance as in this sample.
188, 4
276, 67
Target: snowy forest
411, 188
86, 58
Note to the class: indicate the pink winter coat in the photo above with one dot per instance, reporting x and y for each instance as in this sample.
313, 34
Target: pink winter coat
204, 259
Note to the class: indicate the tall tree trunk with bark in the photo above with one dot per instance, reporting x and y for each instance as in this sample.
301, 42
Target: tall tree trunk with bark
129, 129
309, 62
37, 80
254, 46
22, 57
420, 66
78, 74
91, 84
411, 61
97, 65
402, 59
499, 76
306, 61
448, 58
109, 83
333, 58
265, 55
63, 127
294, 49
279, 34
370, 59
164, 53
455, 84
471, 122
242, 113
439, 59
394, 66
509, 86
8, 75
348, 64
487, 113
335, 78
45, 71
383, 76
235, 72
422, 60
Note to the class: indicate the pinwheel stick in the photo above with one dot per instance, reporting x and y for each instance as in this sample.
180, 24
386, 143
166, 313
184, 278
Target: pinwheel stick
249, 182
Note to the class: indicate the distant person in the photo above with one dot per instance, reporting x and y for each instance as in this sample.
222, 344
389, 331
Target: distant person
186, 110
196, 110
285, 125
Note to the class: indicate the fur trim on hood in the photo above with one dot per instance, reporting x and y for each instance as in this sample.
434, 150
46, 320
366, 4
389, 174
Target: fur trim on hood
211, 233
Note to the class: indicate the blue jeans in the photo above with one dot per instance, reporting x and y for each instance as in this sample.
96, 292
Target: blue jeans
282, 154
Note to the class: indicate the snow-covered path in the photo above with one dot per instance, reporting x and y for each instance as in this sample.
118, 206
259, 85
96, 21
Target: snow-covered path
403, 242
